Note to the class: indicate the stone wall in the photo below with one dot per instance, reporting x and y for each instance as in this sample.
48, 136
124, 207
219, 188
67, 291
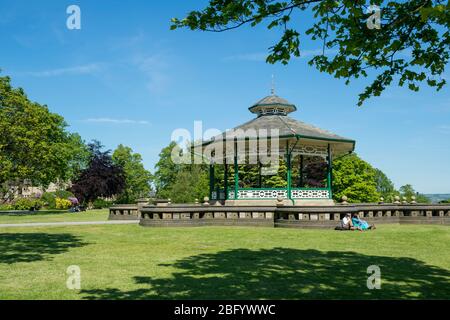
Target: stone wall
279, 216
124, 212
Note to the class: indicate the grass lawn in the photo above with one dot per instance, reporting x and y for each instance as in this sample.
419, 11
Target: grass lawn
133, 262
56, 216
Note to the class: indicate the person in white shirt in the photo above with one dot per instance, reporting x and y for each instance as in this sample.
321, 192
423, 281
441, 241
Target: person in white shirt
347, 222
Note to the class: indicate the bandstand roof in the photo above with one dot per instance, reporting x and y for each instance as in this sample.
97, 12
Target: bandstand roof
272, 113
270, 102
288, 126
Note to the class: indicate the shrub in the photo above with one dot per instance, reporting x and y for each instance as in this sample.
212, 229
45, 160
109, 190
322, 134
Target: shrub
6, 207
101, 204
74, 201
27, 204
49, 199
63, 204
63, 194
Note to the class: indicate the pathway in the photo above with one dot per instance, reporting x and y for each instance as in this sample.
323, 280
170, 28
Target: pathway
64, 224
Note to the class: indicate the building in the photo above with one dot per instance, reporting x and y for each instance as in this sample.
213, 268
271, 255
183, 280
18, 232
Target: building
305, 149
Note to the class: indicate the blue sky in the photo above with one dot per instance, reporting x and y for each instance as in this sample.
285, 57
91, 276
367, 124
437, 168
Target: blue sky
126, 78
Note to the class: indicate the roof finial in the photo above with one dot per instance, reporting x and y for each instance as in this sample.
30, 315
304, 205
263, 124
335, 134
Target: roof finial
272, 90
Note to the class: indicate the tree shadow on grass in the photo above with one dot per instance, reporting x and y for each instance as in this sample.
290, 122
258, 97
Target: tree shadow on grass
282, 273
29, 247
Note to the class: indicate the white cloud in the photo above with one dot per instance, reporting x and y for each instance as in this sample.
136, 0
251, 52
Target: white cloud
255, 57
128, 42
77, 70
116, 121
261, 56
155, 68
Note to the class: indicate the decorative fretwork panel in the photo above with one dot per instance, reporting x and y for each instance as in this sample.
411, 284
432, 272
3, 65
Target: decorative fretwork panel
310, 194
311, 150
258, 194
275, 193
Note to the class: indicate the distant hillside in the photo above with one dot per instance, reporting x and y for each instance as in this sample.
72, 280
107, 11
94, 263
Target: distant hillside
435, 198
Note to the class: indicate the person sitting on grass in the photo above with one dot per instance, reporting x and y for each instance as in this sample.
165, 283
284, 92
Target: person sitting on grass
361, 224
347, 222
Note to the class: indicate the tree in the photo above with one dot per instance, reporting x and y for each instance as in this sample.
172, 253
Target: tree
191, 183
278, 180
249, 175
408, 192
35, 146
180, 182
165, 171
385, 187
409, 44
355, 179
315, 173
137, 179
102, 177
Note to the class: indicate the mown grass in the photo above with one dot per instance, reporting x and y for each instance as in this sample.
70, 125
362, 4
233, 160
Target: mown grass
55, 216
133, 262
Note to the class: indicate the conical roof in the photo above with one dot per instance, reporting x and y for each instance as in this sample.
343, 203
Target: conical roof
272, 114
272, 104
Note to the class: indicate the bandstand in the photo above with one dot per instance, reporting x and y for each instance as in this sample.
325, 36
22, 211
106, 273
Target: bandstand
245, 191
306, 153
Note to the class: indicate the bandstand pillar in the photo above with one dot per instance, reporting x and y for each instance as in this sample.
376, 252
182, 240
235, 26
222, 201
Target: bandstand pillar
211, 179
236, 173
288, 162
259, 175
225, 179
329, 170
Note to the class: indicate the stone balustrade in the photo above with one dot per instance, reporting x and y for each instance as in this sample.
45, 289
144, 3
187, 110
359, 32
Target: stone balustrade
203, 215
280, 216
373, 213
124, 212
167, 214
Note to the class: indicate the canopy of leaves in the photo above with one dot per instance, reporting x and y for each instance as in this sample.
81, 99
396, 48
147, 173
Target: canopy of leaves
180, 182
355, 179
165, 172
137, 179
249, 176
385, 187
314, 172
102, 178
191, 183
34, 143
411, 45
408, 192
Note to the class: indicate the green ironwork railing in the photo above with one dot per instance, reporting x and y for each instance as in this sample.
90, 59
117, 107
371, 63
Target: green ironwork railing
274, 193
